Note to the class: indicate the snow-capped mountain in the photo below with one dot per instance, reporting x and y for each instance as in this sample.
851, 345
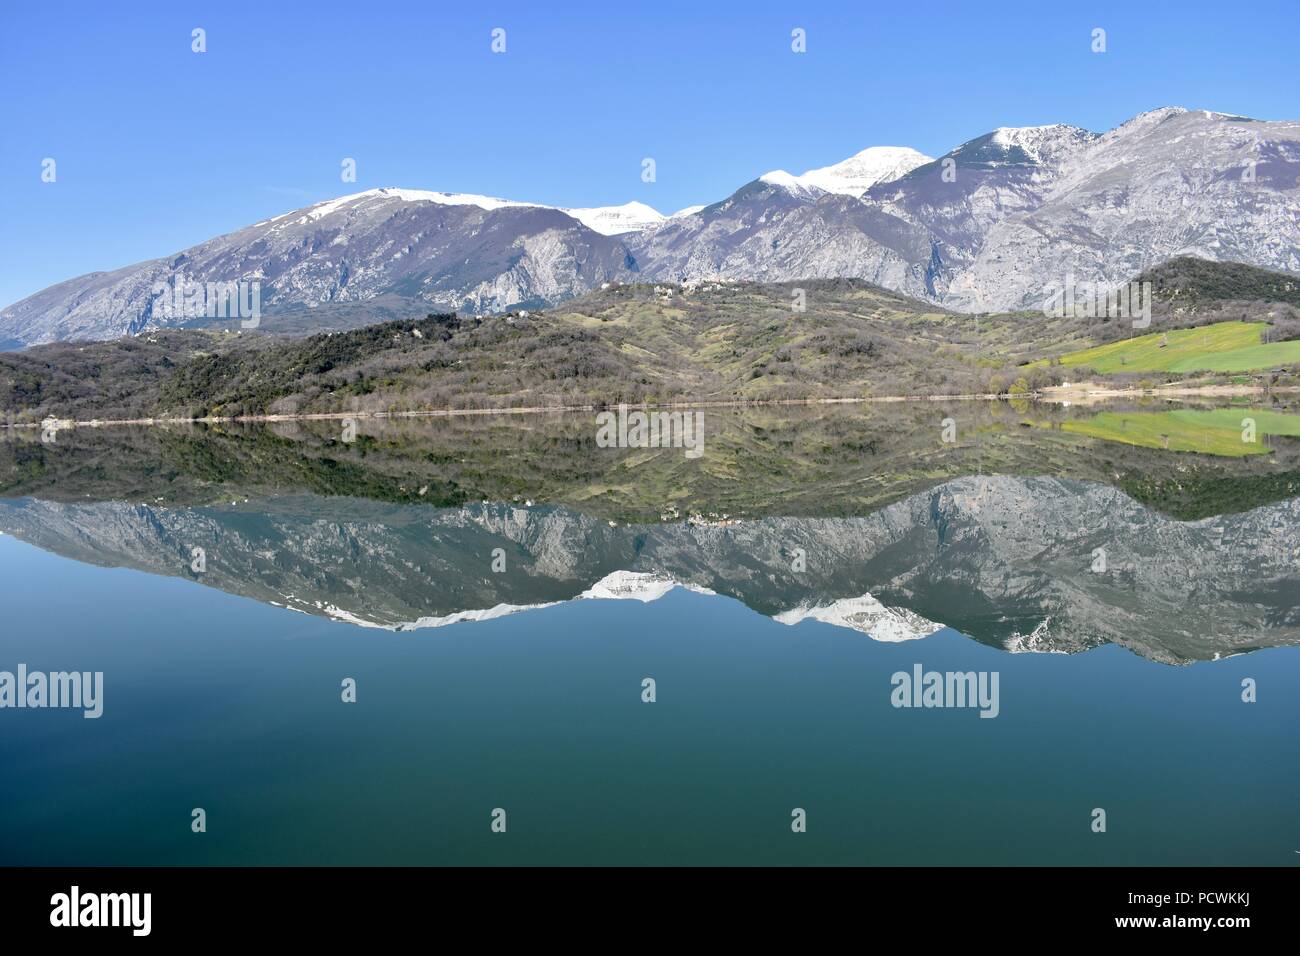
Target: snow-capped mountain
914, 234
614, 220
1167, 183
988, 225
864, 613
985, 227
437, 251
629, 217
643, 586
853, 176
606, 220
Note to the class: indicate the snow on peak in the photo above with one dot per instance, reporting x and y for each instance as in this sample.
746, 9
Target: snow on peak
619, 585
1159, 113
457, 617
1022, 135
606, 220
867, 615
485, 614
1043, 145
861, 171
642, 586
446, 199
853, 176
322, 209
612, 220
779, 177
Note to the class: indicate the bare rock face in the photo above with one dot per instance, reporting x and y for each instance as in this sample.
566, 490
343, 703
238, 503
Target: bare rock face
1166, 183
986, 227
767, 232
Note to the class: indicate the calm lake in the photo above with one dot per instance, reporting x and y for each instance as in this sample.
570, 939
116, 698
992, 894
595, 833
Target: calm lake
562, 653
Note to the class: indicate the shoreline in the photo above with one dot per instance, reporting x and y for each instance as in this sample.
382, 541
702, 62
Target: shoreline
1058, 394
1085, 394
517, 410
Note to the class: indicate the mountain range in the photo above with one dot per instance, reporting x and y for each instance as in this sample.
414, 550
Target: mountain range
986, 227
1005, 560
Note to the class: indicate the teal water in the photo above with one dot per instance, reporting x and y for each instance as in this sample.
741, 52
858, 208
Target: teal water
218, 701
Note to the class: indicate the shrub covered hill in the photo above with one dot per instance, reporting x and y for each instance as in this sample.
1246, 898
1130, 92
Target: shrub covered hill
710, 341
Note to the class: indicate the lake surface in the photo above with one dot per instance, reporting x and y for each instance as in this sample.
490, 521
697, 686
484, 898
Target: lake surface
500, 592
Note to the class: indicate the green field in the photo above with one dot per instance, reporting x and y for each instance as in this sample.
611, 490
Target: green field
1223, 347
1217, 432
1267, 421
1245, 359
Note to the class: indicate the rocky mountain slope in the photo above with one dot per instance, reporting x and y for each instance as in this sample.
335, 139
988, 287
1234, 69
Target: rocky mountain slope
985, 227
470, 252
1166, 183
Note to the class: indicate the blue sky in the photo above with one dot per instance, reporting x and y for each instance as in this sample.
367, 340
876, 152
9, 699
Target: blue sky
158, 148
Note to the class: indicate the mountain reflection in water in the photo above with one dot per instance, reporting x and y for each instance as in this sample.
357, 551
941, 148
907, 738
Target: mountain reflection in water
1038, 529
